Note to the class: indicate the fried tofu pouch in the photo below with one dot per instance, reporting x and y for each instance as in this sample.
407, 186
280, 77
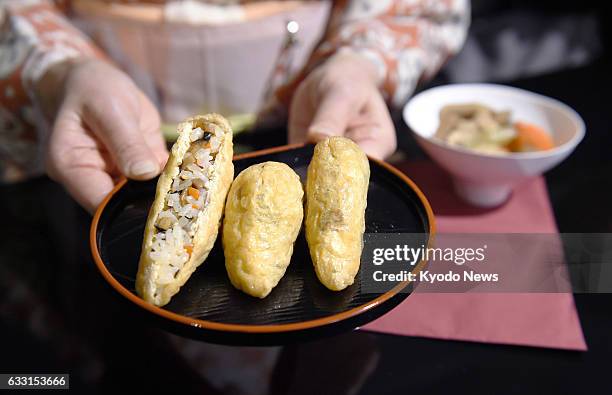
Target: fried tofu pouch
263, 216
184, 219
336, 199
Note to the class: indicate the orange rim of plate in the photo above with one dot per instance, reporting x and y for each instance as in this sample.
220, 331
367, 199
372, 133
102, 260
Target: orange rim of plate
269, 328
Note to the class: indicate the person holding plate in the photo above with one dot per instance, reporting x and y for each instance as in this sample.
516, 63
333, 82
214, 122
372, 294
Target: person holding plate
85, 104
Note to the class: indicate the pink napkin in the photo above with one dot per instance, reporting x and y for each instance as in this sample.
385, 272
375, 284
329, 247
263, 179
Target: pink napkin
529, 319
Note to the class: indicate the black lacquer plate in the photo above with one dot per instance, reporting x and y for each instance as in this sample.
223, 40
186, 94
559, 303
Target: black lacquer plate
209, 308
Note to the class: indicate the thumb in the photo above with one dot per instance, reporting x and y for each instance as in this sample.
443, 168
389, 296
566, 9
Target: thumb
119, 130
332, 115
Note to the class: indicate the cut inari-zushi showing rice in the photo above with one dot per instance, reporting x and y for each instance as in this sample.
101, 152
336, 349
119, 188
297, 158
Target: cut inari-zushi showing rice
184, 219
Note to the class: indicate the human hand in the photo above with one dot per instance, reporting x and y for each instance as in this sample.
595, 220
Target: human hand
104, 126
341, 98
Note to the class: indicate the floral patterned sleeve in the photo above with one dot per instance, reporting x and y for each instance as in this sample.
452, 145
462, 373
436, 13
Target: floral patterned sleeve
34, 35
408, 40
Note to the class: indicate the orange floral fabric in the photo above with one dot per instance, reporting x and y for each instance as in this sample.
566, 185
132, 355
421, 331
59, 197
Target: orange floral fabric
408, 40
33, 37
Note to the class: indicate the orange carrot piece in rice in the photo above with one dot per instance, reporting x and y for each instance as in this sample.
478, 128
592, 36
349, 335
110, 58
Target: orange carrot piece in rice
193, 192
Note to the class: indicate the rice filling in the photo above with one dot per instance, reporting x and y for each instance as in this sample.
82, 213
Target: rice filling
188, 196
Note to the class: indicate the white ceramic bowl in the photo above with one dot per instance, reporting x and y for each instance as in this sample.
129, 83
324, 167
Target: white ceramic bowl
487, 180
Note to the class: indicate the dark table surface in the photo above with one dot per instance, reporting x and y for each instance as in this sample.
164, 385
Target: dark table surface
57, 314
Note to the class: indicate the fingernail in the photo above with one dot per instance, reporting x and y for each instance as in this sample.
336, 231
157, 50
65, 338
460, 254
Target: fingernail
143, 168
316, 137
321, 130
